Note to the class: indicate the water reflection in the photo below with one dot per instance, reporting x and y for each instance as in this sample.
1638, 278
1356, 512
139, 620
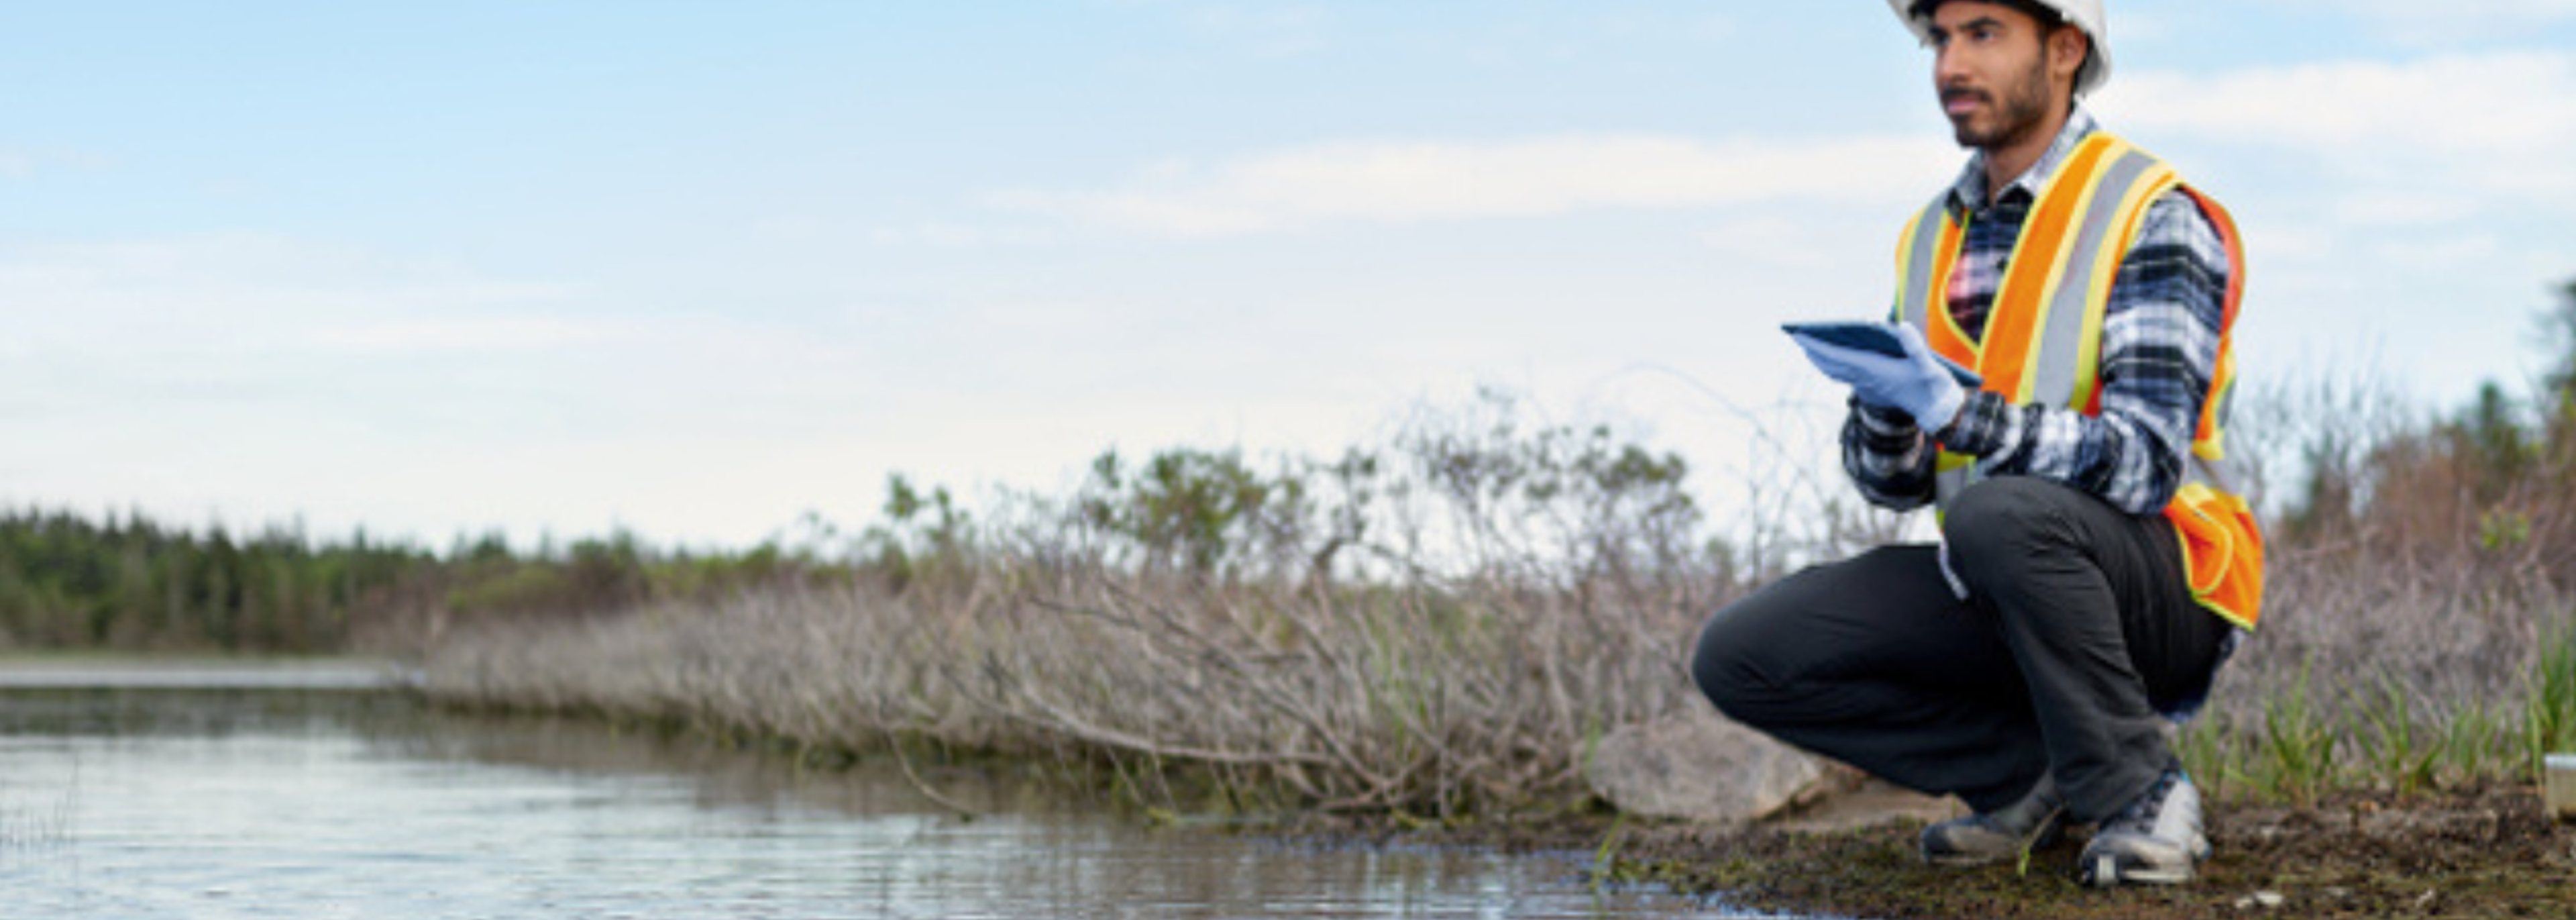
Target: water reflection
236, 802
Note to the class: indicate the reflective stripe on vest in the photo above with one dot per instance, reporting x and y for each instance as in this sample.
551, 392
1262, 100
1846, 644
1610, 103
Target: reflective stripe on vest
2043, 335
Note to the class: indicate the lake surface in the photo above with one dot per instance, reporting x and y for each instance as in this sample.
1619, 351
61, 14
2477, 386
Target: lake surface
161, 793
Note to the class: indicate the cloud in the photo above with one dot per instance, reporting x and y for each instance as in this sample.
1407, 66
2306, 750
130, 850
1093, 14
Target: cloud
1262, 30
2413, 200
1271, 30
956, 235
2498, 122
1788, 240
248, 293
26, 163
464, 334
1400, 182
283, 369
2512, 100
2414, 21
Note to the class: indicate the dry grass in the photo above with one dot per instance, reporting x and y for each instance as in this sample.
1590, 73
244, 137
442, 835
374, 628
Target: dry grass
2422, 591
1433, 700
1330, 665
1439, 629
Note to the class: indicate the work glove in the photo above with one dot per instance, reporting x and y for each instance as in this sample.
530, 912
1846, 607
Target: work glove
1914, 382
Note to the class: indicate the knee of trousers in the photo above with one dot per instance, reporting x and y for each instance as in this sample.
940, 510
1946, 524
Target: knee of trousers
1729, 667
2001, 522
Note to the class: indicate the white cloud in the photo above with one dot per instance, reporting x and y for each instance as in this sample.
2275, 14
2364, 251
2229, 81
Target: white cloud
26, 163
2498, 125
1264, 30
1395, 182
2372, 189
2400, 208
955, 235
463, 334
245, 294
1784, 240
259, 376
2417, 22
1271, 30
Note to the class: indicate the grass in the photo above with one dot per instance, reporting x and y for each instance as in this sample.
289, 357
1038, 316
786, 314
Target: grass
1443, 631
2297, 758
2314, 738
2549, 715
2389, 738
1435, 701
1370, 702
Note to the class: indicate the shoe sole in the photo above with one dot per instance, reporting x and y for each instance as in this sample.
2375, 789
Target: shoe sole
2106, 870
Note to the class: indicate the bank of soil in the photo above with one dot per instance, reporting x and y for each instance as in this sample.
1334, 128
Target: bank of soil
2483, 853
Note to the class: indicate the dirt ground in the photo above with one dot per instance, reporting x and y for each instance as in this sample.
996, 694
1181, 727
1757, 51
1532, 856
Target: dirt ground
2482, 853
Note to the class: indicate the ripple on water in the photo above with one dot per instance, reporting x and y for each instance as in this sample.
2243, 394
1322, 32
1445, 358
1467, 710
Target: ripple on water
242, 799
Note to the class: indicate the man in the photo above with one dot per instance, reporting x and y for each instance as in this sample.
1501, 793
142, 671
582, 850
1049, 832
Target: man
2093, 569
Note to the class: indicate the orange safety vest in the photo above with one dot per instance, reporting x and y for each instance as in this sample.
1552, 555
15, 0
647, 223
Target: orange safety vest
2043, 341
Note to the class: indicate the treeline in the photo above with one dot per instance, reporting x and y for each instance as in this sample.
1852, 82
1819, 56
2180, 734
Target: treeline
2486, 493
2488, 485
1480, 480
128, 582
67, 581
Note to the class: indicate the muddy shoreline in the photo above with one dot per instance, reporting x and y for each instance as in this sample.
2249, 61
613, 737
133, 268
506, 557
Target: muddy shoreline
2487, 852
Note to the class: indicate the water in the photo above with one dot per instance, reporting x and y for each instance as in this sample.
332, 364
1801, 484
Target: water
305, 794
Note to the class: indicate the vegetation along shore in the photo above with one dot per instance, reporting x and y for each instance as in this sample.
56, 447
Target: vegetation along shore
1427, 634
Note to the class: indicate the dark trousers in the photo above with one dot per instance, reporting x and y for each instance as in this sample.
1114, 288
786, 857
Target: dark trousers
2079, 629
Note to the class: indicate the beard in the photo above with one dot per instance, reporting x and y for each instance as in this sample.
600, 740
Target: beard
2023, 108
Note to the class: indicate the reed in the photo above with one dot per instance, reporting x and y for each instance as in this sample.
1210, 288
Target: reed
2549, 711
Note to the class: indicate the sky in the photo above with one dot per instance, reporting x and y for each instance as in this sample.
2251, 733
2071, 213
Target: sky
695, 270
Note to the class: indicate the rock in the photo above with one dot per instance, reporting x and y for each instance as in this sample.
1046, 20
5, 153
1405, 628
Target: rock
2474, 825
1698, 765
1841, 802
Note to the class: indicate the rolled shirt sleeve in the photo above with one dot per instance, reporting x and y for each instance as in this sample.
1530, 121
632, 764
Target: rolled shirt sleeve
1888, 457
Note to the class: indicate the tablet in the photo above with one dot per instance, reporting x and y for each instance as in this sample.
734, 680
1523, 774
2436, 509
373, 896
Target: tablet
1874, 337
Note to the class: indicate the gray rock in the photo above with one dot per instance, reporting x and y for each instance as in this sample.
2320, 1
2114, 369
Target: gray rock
2264, 900
2459, 824
1698, 765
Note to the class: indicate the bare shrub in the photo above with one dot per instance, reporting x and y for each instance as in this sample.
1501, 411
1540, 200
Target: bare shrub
1439, 624
1444, 622
2419, 571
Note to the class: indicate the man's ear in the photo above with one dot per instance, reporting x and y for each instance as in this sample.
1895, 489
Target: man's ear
2067, 45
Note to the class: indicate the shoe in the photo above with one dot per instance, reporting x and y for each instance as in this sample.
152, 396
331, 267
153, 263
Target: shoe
2154, 841
2033, 823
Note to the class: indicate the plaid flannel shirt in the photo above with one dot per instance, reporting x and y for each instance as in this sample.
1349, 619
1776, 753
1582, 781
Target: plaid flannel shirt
2159, 350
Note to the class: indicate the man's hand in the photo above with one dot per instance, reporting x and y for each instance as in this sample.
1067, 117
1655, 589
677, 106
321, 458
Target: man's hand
1915, 382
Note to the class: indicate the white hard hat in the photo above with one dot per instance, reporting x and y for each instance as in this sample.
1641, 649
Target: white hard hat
2085, 14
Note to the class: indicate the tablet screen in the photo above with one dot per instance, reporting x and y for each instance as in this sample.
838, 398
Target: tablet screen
1874, 337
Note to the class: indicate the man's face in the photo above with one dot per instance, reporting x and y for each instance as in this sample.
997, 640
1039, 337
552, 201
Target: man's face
1992, 72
